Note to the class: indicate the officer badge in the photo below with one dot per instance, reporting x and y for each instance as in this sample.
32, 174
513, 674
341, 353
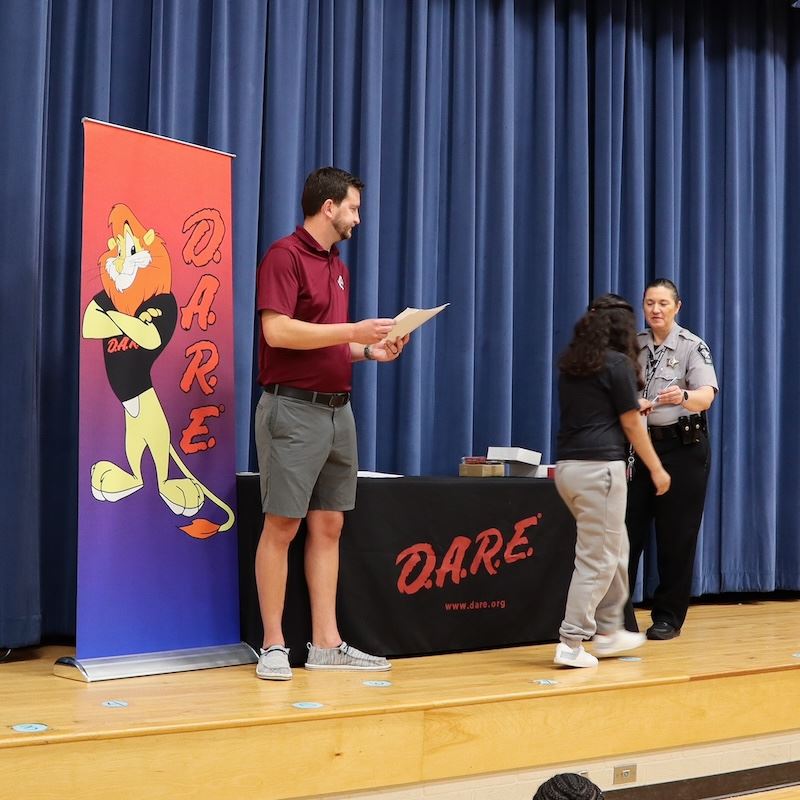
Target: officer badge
702, 348
340, 281
672, 362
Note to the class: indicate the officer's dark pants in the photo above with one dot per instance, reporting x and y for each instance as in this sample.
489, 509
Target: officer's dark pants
677, 515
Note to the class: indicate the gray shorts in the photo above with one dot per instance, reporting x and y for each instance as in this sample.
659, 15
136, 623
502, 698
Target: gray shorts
307, 456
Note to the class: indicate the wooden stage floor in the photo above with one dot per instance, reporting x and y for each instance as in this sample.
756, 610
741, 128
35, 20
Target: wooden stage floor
735, 672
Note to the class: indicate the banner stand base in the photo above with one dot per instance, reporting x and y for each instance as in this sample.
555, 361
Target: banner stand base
137, 665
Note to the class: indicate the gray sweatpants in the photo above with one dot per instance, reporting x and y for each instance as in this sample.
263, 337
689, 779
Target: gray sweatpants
596, 493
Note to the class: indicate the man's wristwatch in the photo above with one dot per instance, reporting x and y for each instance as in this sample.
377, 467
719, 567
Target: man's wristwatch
685, 395
368, 354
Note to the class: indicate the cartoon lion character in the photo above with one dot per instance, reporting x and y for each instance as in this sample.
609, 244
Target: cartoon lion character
135, 316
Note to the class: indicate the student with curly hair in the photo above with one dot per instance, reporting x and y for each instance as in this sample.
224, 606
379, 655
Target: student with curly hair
600, 410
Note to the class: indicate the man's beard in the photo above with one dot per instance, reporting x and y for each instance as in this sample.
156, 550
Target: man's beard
344, 231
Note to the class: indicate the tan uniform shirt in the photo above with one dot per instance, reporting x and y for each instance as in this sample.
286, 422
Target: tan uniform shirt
684, 360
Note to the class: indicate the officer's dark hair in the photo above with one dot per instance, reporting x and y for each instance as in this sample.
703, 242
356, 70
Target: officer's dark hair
327, 183
667, 284
608, 324
568, 786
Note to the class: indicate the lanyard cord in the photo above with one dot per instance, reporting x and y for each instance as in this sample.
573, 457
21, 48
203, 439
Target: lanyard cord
653, 363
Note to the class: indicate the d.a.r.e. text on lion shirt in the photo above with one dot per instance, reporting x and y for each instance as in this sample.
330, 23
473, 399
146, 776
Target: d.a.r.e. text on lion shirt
128, 365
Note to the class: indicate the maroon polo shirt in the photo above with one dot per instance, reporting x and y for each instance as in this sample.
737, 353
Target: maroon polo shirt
298, 278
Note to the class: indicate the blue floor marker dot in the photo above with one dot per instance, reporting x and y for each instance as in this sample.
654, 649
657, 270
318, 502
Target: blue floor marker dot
307, 704
630, 658
377, 683
29, 727
545, 682
115, 703
795, 655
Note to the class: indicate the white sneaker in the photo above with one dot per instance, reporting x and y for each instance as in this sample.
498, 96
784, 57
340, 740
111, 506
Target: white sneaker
618, 642
573, 656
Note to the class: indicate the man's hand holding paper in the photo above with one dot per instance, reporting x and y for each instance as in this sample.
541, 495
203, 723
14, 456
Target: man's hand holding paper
396, 337
372, 331
389, 349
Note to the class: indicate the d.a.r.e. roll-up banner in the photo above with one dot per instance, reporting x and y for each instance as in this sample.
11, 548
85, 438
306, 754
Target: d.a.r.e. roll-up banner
157, 559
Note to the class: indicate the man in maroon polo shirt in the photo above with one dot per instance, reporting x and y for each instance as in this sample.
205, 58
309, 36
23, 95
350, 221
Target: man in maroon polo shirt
305, 432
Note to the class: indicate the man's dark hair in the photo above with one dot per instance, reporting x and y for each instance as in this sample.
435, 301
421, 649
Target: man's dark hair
609, 324
327, 183
568, 786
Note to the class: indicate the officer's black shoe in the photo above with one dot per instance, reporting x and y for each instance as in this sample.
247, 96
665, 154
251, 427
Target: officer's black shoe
661, 631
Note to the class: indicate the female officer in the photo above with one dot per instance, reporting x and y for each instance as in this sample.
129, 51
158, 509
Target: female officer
681, 384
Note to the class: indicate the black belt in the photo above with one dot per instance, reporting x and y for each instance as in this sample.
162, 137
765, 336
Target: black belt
330, 399
683, 428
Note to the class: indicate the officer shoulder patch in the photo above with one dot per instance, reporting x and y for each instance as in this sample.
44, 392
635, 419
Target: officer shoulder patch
702, 348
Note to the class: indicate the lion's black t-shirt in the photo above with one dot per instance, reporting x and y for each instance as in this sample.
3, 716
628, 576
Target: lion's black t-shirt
590, 408
128, 365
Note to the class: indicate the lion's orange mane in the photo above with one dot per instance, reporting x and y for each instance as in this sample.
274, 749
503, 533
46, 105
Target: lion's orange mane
150, 281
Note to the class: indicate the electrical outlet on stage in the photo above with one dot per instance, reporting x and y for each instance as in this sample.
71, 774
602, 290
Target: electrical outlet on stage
625, 774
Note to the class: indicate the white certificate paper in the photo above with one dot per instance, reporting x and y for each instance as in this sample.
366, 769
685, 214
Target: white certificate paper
410, 319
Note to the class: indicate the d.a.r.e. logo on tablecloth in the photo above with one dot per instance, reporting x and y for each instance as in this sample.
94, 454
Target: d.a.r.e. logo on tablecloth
420, 567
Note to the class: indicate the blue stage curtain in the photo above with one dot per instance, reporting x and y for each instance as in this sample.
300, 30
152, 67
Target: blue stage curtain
22, 273
519, 157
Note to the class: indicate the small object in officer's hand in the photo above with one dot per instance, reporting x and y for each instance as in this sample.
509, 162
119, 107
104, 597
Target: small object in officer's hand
657, 398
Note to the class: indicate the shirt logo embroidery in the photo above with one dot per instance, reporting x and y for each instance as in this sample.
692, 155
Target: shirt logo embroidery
702, 348
340, 281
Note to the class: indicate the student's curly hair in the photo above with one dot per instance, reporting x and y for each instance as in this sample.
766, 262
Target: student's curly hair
568, 786
609, 324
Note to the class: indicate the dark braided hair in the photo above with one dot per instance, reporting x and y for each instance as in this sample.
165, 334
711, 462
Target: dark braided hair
609, 324
568, 786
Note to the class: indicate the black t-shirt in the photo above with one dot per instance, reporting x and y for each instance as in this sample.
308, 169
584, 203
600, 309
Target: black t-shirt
128, 365
590, 408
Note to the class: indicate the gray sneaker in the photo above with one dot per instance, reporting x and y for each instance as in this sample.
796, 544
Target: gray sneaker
273, 664
344, 658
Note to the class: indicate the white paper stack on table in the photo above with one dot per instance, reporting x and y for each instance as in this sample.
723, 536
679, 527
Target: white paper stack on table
520, 463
